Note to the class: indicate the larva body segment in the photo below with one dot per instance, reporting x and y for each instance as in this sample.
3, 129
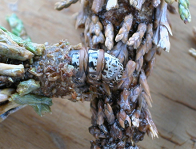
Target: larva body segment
113, 69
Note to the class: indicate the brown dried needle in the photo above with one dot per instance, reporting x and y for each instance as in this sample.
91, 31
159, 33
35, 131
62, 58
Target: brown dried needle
64, 4
124, 30
109, 35
136, 38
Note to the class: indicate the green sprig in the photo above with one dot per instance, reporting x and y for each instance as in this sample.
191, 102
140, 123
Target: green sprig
40, 104
183, 8
17, 27
26, 87
37, 49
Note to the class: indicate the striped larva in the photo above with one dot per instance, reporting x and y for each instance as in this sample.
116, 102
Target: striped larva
97, 66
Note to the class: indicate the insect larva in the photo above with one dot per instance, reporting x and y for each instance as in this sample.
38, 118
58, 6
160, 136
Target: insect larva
98, 66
